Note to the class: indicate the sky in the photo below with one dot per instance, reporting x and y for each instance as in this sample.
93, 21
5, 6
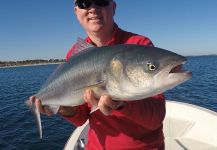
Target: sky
45, 29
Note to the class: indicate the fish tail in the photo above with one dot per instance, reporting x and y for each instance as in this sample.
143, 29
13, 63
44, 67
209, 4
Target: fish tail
36, 112
54, 108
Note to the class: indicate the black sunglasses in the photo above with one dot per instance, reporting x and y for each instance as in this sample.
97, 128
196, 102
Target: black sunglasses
84, 4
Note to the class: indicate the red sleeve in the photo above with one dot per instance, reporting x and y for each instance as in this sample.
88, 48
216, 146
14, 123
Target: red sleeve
148, 113
81, 115
71, 50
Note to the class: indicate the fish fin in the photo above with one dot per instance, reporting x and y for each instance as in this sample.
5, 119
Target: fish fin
93, 109
95, 86
81, 45
54, 108
116, 68
36, 112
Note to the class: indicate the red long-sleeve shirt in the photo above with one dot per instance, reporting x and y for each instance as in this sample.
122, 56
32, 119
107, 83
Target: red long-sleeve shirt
136, 126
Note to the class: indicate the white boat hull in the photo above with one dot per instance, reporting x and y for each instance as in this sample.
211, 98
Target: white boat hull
186, 127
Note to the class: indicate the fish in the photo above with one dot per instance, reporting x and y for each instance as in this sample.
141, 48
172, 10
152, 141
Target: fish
125, 72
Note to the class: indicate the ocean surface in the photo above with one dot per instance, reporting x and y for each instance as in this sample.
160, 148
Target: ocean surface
17, 124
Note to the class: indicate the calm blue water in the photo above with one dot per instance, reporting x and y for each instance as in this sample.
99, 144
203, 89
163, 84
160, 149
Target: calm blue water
17, 124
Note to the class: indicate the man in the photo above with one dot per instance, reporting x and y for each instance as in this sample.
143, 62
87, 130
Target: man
135, 125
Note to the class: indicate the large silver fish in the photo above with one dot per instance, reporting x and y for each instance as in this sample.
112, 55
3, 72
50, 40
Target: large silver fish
125, 72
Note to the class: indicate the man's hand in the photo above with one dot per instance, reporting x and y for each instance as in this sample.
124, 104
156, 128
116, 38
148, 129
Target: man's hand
63, 110
105, 103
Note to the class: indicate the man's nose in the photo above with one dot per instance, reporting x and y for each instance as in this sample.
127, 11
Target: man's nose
93, 5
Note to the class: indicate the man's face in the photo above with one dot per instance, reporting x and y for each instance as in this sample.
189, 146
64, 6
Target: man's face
96, 18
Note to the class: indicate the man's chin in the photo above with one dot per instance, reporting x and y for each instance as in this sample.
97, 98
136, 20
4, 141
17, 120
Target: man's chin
96, 27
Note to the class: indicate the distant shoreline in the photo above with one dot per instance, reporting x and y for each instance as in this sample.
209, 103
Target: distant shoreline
29, 65
36, 62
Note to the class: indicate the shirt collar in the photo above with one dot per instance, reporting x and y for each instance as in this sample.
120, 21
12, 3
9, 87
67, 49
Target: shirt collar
115, 36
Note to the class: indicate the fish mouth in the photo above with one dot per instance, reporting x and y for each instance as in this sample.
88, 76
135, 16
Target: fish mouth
173, 75
177, 69
176, 74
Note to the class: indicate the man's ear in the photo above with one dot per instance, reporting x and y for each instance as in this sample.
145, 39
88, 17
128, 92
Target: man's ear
75, 10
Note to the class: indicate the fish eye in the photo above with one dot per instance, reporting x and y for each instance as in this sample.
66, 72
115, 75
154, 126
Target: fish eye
151, 67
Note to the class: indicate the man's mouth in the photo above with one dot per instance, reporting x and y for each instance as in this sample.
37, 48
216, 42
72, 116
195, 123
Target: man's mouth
95, 18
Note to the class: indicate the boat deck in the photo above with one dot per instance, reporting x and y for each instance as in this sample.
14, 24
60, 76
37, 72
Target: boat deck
186, 127
190, 127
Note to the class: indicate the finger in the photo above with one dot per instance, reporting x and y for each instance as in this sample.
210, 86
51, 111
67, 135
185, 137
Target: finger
47, 111
62, 110
32, 99
111, 103
43, 109
67, 111
89, 97
104, 108
39, 106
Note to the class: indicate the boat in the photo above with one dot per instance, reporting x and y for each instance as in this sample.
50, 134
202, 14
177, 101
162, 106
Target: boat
186, 127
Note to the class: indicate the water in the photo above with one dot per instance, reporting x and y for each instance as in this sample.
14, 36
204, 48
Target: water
17, 124
201, 90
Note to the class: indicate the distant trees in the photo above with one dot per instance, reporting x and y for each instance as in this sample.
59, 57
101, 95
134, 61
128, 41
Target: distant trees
29, 62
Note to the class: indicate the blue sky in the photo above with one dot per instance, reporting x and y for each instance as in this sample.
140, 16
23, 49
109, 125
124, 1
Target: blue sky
32, 29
